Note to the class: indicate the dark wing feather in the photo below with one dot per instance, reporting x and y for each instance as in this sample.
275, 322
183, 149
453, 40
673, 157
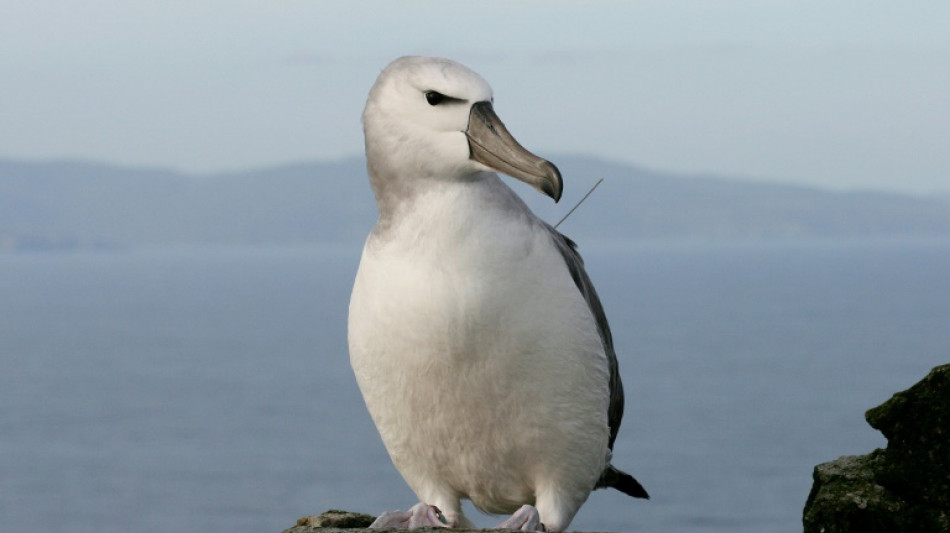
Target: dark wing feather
575, 265
611, 476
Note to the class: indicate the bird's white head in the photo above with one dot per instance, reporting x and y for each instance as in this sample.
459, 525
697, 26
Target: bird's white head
432, 119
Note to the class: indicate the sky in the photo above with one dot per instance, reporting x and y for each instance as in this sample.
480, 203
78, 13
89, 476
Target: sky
835, 94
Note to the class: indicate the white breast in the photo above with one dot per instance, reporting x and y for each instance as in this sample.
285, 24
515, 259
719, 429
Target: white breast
477, 357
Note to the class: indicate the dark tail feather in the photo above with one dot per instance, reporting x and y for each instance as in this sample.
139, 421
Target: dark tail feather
622, 481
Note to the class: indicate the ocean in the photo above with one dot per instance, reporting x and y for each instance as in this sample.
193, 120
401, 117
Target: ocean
209, 389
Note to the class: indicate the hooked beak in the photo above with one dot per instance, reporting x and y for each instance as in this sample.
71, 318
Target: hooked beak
490, 144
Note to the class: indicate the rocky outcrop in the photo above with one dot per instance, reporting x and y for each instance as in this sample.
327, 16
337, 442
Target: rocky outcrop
904, 487
330, 521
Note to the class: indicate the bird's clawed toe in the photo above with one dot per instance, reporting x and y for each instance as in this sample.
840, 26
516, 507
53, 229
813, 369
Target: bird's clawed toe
525, 519
421, 515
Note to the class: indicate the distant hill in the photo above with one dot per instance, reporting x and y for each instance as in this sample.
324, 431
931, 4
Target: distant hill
75, 204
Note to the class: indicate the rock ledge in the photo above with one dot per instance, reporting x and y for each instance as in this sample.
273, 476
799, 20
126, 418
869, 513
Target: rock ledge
334, 521
904, 487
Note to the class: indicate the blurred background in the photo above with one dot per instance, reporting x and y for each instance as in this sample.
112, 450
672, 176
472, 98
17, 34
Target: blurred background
183, 203
840, 94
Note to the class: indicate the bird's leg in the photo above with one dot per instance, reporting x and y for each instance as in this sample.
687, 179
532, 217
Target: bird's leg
421, 515
525, 519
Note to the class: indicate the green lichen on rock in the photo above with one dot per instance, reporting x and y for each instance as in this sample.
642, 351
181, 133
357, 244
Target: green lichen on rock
331, 520
846, 497
905, 487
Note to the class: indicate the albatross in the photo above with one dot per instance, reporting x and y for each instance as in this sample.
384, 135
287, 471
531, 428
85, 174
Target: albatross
477, 339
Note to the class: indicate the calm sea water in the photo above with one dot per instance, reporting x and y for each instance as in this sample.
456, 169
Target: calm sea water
196, 390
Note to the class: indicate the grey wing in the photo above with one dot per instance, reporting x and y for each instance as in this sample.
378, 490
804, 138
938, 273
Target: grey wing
575, 265
611, 476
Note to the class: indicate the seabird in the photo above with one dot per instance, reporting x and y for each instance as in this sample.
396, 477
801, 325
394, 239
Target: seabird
477, 339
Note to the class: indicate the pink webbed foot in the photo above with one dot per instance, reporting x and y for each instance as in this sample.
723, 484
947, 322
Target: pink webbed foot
525, 519
421, 515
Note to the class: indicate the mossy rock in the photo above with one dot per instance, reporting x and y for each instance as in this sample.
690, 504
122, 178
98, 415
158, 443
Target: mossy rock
905, 487
846, 498
916, 423
331, 520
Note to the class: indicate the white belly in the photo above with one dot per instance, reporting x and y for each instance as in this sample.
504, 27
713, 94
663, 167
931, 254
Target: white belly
480, 365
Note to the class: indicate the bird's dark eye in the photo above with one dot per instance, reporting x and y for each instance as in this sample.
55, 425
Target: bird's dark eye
434, 97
